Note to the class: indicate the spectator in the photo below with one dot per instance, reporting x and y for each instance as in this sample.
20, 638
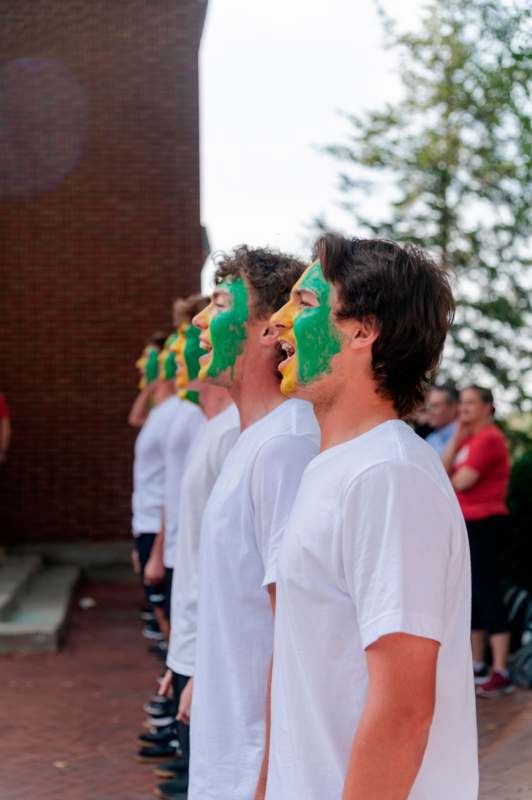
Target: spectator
419, 421
478, 462
442, 408
5, 428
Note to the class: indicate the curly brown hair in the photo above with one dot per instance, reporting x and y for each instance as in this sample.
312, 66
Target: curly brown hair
410, 298
271, 275
185, 309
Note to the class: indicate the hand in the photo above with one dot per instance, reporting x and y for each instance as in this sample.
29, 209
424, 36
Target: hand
166, 686
463, 430
185, 702
154, 570
135, 561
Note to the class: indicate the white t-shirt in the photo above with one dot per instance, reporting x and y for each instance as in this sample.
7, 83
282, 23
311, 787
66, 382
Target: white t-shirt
202, 469
376, 544
242, 528
186, 425
148, 468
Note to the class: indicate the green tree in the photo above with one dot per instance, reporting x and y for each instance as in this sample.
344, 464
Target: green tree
453, 155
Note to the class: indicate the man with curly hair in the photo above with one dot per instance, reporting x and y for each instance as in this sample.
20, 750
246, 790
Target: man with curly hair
372, 693
243, 523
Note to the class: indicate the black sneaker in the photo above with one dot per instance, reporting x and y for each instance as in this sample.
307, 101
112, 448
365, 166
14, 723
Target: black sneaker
172, 769
172, 790
167, 709
154, 751
159, 735
159, 722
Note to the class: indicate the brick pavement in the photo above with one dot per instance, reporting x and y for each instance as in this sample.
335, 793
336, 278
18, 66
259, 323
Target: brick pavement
70, 720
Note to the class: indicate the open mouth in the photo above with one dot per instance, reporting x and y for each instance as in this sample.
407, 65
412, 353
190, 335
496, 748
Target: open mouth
286, 351
205, 345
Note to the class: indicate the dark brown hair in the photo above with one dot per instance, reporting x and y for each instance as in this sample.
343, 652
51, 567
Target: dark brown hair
485, 395
157, 339
271, 275
185, 309
408, 296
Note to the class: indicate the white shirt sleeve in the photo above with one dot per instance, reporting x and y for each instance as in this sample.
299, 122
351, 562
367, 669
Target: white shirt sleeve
396, 557
277, 472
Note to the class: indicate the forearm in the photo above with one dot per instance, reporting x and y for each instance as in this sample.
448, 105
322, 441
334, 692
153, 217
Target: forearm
140, 408
449, 454
263, 774
386, 756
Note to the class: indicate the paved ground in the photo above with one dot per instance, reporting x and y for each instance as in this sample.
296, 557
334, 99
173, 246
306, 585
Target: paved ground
70, 720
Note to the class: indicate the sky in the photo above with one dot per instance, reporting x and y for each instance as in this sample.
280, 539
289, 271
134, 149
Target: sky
274, 77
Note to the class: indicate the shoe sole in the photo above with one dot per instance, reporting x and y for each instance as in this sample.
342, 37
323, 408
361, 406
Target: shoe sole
169, 773
151, 759
496, 693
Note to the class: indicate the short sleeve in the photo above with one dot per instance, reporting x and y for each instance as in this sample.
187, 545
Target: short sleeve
396, 546
484, 451
277, 472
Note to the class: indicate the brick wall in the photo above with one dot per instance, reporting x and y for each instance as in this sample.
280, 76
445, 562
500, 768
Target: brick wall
99, 229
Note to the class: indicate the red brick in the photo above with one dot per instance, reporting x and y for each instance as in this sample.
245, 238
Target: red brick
89, 267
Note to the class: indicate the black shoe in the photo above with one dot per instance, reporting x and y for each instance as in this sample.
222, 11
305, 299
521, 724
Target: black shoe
167, 750
146, 614
159, 736
159, 722
168, 709
172, 769
160, 650
172, 790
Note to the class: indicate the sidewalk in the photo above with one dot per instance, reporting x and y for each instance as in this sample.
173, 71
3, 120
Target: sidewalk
71, 720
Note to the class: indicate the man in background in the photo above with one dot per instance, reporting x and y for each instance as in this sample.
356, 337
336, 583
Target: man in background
442, 408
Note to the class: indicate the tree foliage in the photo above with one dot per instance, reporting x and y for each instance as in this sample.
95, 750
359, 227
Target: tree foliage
454, 154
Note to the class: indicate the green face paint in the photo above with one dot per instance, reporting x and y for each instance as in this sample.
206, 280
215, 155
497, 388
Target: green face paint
152, 365
317, 338
227, 331
193, 351
167, 363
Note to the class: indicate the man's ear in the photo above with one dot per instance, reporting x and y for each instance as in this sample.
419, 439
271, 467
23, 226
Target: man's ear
363, 333
268, 335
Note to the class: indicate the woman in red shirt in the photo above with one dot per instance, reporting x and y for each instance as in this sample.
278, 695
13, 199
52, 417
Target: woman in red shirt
478, 463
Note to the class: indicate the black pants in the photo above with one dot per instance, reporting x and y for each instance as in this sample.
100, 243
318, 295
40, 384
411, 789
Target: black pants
485, 539
167, 604
154, 594
179, 682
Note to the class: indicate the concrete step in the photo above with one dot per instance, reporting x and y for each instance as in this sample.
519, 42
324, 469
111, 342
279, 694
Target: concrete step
37, 621
15, 573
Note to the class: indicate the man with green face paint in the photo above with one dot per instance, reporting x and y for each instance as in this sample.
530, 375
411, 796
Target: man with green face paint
372, 693
186, 423
243, 523
311, 338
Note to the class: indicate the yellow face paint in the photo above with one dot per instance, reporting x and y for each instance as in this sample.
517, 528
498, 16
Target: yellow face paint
188, 352
309, 336
148, 366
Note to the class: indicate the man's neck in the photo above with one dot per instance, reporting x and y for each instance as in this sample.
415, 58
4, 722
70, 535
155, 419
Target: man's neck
213, 399
352, 413
255, 398
164, 391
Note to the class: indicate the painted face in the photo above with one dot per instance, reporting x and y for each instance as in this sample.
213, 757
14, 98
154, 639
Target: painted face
187, 351
224, 339
167, 365
308, 336
148, 366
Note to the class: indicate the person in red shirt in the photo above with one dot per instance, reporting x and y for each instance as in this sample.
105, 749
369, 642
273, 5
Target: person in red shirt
478, 463
5, 428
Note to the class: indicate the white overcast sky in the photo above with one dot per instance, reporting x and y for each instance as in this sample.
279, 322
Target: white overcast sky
273, 77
